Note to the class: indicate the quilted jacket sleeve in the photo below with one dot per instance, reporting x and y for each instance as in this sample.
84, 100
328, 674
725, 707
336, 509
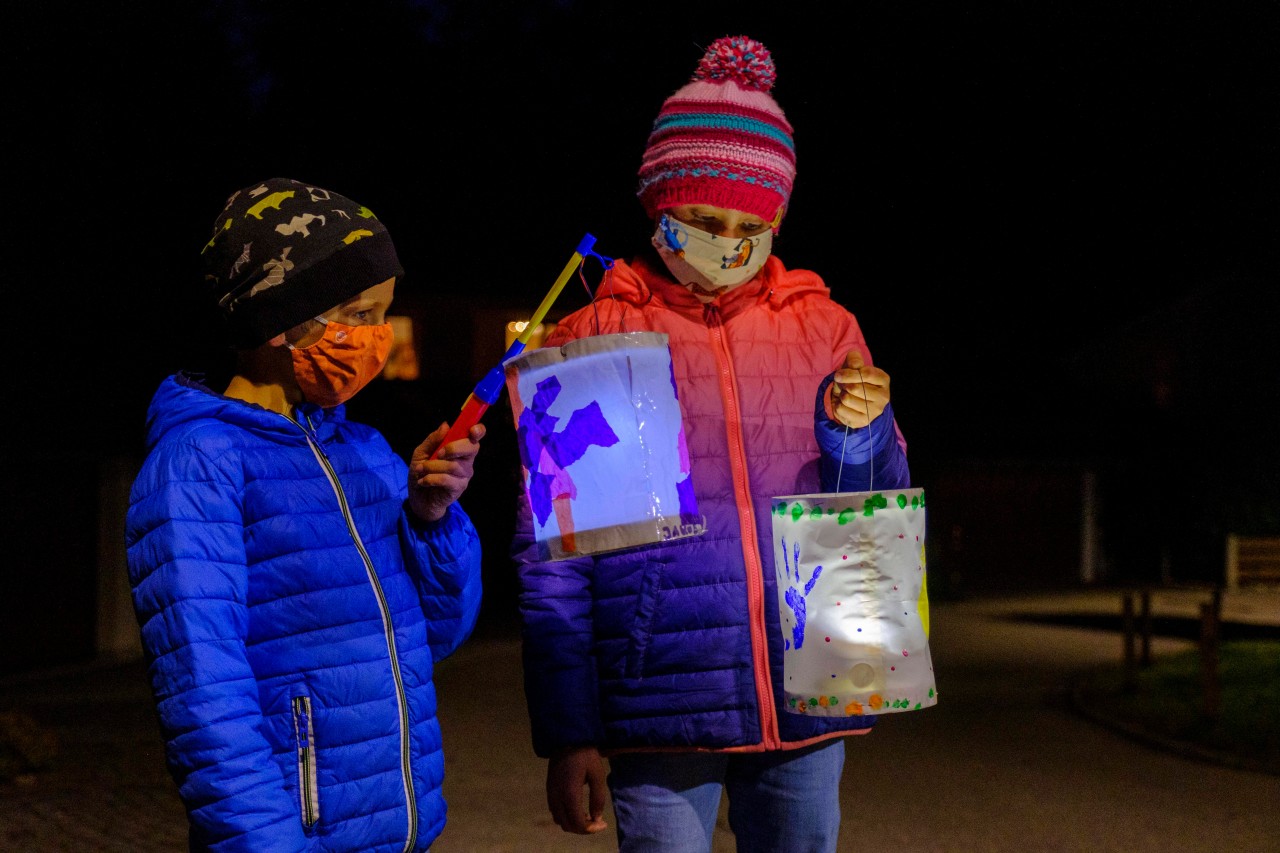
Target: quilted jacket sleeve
444, 558
184, 537
857, 460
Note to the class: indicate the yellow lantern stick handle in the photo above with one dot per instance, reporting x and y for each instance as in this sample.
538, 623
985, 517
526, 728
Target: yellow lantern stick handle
489, 388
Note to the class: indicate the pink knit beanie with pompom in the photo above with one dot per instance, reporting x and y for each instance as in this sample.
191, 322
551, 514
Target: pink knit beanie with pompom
722, 139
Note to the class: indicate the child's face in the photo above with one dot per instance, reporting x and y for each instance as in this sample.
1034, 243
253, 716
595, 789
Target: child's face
720, 221
367, 308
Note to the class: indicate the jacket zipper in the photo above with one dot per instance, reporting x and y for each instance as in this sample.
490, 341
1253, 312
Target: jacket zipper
308, 790
746, 521
406, 774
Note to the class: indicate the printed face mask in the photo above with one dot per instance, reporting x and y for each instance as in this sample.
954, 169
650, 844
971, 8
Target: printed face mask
709, 265
334, 368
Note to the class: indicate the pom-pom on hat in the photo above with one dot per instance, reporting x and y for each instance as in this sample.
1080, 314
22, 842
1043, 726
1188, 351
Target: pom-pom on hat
722, 139
283, 251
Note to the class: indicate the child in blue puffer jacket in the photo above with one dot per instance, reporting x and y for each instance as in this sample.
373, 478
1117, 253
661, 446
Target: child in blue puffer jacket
295, 581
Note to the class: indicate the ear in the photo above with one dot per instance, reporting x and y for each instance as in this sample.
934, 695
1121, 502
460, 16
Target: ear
277, 341
777, 219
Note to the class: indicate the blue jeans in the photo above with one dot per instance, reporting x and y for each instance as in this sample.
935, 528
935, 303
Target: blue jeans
778, 801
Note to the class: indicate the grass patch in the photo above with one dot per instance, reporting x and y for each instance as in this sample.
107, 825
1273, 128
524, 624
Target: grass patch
1168, 701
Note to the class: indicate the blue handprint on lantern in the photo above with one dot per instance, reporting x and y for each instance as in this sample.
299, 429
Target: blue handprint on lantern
794, 598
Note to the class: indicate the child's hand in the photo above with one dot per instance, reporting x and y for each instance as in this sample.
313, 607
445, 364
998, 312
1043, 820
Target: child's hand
568, 772
859, 393
436, 483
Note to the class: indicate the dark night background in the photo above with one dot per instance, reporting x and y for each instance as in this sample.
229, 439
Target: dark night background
1055, 221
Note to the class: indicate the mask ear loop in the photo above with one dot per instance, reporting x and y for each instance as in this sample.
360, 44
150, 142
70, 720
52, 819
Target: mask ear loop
871, 459
322, 321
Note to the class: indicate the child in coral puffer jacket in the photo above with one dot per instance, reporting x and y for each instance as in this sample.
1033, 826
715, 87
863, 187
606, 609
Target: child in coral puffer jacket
666, 659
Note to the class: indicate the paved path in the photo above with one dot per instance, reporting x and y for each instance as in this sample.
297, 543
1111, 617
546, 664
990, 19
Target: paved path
1002, 763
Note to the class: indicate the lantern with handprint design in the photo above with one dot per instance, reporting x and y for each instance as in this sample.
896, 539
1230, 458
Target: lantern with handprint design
853, 602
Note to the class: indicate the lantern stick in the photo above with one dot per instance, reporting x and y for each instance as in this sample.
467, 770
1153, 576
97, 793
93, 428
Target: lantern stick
489, 388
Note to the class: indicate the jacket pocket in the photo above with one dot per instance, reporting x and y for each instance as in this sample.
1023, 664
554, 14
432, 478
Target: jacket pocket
642, 628
305, 749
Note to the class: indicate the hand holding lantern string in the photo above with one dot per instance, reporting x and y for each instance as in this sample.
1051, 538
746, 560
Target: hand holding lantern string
859, 393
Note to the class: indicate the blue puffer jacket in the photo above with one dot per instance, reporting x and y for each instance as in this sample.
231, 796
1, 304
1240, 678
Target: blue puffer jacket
291, 610
678, 645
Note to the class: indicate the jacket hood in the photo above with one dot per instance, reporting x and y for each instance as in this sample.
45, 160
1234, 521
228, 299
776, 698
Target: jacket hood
645, 278
182, 399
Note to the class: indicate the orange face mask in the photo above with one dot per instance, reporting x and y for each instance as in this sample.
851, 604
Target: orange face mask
334, 368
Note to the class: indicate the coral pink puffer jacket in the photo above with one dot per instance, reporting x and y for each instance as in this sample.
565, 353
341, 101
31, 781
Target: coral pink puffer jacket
677, 645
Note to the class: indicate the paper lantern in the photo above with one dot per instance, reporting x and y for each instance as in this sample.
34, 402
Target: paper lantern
602, 444
853, 602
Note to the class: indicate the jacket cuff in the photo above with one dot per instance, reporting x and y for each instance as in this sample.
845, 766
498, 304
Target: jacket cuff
858, 459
